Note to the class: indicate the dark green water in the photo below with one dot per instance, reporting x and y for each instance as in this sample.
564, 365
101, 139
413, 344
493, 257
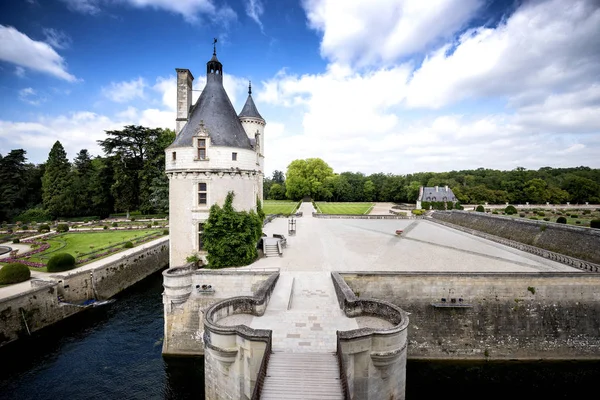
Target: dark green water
115, 353
110, 352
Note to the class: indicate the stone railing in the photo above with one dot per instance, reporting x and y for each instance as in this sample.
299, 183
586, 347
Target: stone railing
237, 348
571, 261
364, 216
387, 347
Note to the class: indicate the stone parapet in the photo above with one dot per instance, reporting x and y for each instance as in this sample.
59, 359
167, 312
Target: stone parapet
372, 361
363, 216
236, 357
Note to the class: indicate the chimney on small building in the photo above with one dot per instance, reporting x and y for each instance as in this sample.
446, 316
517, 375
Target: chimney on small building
446, 187
437, 189
184, 97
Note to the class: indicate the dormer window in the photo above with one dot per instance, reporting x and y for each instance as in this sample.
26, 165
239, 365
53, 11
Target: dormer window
201, 149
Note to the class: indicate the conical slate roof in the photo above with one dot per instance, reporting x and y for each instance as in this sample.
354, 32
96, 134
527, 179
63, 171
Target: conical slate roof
250, 110
216, 111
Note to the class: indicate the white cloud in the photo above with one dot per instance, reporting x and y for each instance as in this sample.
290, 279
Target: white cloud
83, 6
368, 32
189, 9
543, 48
525, 93
20, 71
254, 9
56, 38
19, 49
31, 96
125, 91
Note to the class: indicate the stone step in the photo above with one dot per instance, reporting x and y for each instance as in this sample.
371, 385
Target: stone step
302, 376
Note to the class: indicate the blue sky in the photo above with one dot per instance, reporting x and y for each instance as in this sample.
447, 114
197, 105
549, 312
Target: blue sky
394, 86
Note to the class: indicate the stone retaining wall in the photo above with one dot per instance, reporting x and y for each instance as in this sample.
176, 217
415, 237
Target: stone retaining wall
372, 361
39, 307
578, 242
492, 315
184, 302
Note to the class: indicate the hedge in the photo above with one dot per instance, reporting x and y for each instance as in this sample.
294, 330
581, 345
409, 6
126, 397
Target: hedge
14, 273
480, 208
60, 262
510, 210
561, 220
62, 228
595, 223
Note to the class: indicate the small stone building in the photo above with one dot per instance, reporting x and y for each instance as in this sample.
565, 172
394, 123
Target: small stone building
435, 193
215, 151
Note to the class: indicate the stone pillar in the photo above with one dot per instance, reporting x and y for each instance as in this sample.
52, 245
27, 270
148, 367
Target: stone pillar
184, 97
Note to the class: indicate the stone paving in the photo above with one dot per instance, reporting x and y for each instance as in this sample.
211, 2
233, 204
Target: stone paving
324, 245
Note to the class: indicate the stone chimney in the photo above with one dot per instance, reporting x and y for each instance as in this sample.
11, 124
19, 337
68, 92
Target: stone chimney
437, 189
446, 187
184, 97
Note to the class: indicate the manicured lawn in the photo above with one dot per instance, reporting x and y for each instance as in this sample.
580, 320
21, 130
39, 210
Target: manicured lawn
344, 208
279, 206
88, 246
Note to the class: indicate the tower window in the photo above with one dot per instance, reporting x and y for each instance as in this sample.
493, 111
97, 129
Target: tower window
202, 193
200, 237
234, 156
201, 149
174, 155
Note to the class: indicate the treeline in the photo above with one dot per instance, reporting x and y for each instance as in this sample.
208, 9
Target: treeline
130, 176
314, 178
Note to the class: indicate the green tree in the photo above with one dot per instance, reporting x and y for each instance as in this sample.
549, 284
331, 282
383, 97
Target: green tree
369, 190
13, 180
277, 192
230, 237
139, 161
57, 183
83, 170
306, 178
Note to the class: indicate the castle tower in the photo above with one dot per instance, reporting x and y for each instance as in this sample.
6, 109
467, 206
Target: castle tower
211, 155
254, 125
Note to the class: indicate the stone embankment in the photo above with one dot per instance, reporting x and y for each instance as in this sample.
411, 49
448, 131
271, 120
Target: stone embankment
492, 315
30, 306
578, 242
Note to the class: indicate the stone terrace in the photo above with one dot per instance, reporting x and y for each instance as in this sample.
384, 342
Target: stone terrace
303, 312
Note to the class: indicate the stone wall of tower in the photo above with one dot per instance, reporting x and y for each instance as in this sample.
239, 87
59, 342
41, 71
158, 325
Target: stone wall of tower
221, 175
251, 126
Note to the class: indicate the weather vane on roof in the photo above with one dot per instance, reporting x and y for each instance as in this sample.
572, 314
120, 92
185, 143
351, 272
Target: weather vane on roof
214, 46
249, 87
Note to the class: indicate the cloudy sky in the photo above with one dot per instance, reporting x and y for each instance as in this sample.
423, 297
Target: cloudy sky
394, 86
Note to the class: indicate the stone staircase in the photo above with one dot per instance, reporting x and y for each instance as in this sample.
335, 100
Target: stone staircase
308, 376
271, 249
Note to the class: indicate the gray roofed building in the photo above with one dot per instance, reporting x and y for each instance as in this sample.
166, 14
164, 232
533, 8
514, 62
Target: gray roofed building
215, 110
435, 193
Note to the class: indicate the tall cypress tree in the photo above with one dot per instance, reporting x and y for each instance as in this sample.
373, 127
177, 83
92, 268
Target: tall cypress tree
56, 183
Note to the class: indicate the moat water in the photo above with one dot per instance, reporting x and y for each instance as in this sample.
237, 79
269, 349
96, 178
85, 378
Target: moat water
115, 353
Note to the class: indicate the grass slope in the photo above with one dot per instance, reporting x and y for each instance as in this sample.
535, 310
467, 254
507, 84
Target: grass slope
344, 208
279, 206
